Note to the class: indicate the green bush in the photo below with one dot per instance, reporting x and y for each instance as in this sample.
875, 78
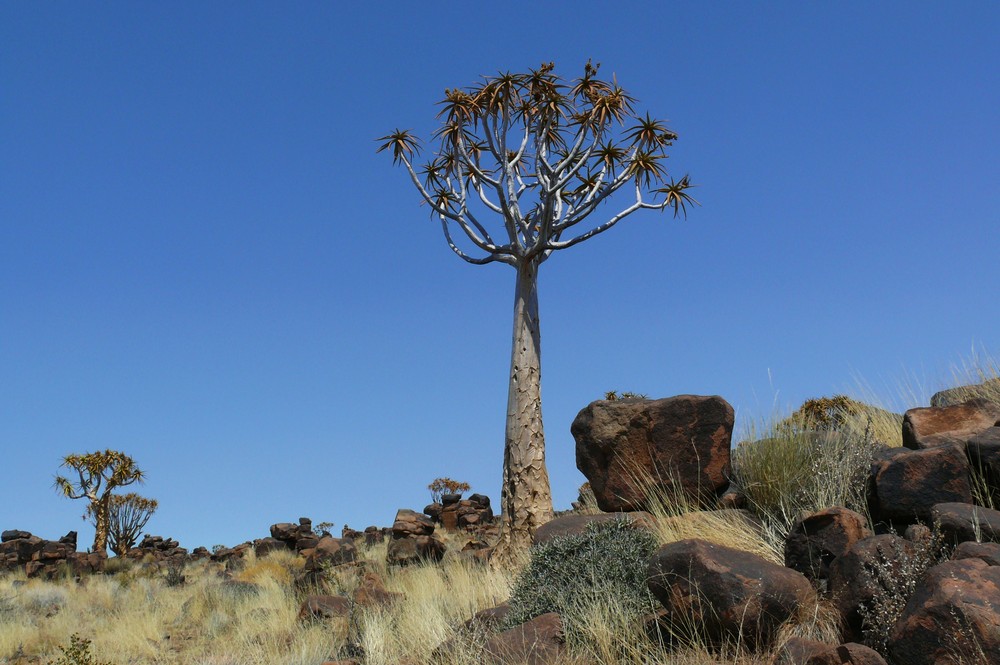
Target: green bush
77, 653
567, 574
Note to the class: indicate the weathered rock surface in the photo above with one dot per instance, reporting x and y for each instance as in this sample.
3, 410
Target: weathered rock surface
961, 522
330, 551
850, 653
984, 456
622, 445
815, 540
960, 421
574, 525
955, 610
540, 641
158, 549
988, 552
988, 390
726, 592
867, 566
322, 606
906, 484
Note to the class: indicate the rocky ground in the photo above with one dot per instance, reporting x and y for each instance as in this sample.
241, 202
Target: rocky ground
828, 541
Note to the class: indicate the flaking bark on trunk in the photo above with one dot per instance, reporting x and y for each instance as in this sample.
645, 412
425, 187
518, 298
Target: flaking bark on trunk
101, 523
526, 500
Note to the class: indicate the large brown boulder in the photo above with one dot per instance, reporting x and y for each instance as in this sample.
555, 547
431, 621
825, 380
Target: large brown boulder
988, 552
574, 525
906, 484
330, 552
418, 549
850, 653
540, 641
815, 540
961, 522
988, 390
622, 445
865, 570
954, 613
960, 421
729, 594
411, 523
984, 456
322, 606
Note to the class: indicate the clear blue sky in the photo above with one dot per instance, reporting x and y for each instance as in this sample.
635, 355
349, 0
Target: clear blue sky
204, 263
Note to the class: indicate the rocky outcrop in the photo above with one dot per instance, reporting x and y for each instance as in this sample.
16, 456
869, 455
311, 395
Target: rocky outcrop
540, 641
330, 552
928, 427
857, 576
726, 593
157, 549
953, 614
46, 558
815, 540
574, 525
625, 446
961, 522
850, 653
413, 540
906, 484
988, 390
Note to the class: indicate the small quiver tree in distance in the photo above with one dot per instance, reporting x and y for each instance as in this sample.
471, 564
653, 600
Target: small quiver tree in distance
538, 156
127, 516
97, 475
441, 486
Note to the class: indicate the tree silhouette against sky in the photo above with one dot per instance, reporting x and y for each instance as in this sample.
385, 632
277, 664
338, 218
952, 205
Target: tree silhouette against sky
537, 156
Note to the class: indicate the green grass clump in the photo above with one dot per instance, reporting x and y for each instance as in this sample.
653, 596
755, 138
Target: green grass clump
607, 563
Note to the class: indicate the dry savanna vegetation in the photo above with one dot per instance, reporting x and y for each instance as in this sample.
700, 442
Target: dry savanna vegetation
141, 613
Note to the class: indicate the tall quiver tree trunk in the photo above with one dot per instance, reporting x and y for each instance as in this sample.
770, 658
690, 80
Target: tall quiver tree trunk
526, 500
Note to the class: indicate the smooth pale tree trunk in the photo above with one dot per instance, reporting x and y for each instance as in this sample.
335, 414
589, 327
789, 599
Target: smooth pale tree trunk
526, 500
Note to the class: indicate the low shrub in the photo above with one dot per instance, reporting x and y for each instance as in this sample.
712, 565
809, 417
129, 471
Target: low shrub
77, 653
566, 575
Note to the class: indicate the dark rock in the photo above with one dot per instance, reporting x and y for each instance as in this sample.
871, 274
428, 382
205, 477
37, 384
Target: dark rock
961, 522
797, 650
574, 525
984, 456
728, 593
851, 653
481, 500
622, 445
323, 606
954, 613
988, 552
540, 641
410, 523
14, 534
449, 499
418, 549
906, 484
330, 552
372, 593
814, 541
962, 421
265, 546
855, 576
433, 511
988, 390
488, 619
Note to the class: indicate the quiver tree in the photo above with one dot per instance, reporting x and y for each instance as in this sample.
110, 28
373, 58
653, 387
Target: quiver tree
97, 475
441, 486
521, 162
127, 516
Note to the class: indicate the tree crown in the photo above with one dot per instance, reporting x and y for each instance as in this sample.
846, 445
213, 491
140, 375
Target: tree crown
107, 469
541, 153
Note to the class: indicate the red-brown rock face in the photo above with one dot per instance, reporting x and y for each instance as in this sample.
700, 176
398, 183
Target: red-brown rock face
623, 443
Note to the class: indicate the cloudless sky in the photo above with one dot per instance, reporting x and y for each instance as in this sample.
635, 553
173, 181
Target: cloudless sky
204, 263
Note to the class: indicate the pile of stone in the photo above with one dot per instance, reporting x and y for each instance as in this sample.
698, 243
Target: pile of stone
46, 558
288, 536
159, 550
454, 513
735, 596
372, 535
413, 540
